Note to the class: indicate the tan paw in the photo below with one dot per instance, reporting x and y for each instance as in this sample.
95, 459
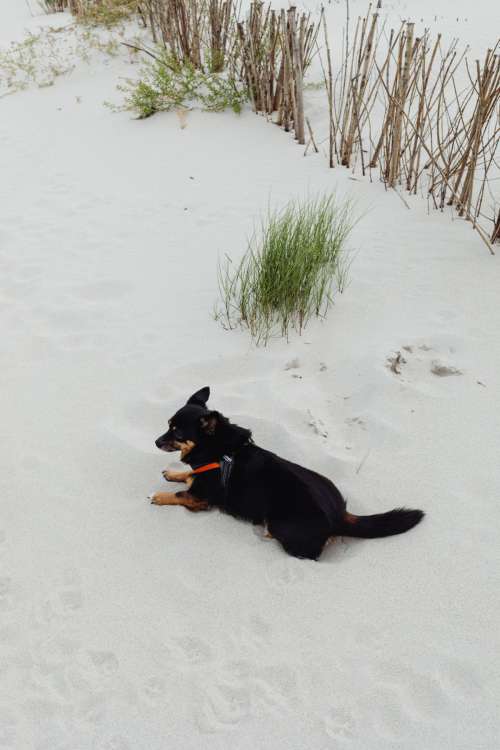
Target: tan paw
163, 498
176, 476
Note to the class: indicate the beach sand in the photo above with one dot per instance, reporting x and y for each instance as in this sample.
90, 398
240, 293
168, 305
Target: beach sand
124, 626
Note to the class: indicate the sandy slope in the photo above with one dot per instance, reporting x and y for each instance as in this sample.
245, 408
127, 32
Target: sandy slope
128, 627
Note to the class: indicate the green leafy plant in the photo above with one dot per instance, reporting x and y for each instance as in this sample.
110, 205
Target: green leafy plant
166, 84
289, 271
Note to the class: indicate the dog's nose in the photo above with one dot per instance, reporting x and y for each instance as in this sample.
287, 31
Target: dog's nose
159, 442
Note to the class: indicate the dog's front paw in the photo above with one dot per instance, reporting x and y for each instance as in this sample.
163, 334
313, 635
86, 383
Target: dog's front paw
154, 499
176, 476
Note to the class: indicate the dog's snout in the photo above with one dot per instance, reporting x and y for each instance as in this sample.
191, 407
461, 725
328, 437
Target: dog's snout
161, 442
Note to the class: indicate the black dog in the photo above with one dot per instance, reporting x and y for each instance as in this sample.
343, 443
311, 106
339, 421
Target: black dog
299, 508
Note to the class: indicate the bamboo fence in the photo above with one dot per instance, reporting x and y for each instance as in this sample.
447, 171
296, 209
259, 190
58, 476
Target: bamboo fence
397, 102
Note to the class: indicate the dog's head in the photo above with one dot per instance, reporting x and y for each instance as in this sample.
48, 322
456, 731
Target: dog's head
195, 426
189, 425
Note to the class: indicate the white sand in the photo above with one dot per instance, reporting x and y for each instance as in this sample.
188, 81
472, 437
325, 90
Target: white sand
129, 627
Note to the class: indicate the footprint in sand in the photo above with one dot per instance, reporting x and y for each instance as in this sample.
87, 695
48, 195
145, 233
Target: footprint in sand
105, 663
421, 695
459, 678
239, 692
154, 691
444, 371
61, 602
225, 704
356, 422
284, 573
273, 691
238, 689
339, 723
189, 651
418, 360
390, 720
253, 636
90, 711
224, 697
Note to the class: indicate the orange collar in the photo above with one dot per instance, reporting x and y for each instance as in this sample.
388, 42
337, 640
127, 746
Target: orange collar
206, 467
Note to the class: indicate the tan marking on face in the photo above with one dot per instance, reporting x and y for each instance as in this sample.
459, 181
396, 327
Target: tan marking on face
185, 447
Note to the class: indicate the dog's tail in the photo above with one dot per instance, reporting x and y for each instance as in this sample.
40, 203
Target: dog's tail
395, 521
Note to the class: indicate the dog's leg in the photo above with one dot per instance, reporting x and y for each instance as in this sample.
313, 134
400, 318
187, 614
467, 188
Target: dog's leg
179, 498
176, 476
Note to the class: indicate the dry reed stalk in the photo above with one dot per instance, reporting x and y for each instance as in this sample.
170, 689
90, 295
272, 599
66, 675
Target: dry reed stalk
358, 86
220, 16
275, 51
467, 131
444, 127
299, 124
296, 67
495, 237
393, 150
311, 136
432, 160
332, 136
259, 45
487, 86
289, 87
384, 69
183, 26
425, 70
271, 77
346, 95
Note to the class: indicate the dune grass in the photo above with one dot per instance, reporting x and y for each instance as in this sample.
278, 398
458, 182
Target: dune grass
290, 270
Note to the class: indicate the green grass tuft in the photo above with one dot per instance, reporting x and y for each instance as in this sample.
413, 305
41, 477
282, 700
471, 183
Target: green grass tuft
290, 270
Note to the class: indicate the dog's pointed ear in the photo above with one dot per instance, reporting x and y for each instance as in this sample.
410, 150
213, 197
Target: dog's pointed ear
200, 398
209, 422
